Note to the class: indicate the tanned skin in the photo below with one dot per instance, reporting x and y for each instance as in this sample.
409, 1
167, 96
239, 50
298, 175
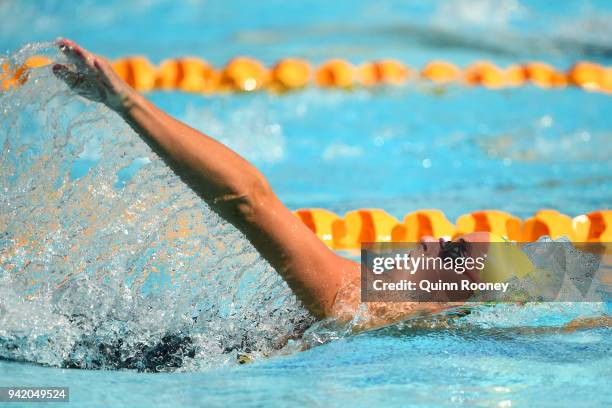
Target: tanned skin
326, 283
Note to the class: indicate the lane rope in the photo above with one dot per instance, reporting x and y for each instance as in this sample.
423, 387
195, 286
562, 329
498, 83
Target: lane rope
376, 225
245, 74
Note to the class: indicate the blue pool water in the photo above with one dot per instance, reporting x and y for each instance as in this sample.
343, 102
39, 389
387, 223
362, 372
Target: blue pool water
401, 149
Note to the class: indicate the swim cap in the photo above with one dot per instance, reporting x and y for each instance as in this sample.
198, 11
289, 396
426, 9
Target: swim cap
505, 260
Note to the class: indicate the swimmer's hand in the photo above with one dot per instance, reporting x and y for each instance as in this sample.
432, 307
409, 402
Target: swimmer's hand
92, 77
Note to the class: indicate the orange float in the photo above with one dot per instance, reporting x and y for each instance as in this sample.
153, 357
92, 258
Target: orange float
392, 72
12, 76
365, 225
291, 73
244, 74
484, 73
384, 72
593, 227
547, 222
37, 61
543, 75
335, 73
606, 80
367, 74
167, 75
586, 75
560, 79
9, 76
325, 224
421, 223
441, 72
497, 222
137, 72
514, 75
187, 74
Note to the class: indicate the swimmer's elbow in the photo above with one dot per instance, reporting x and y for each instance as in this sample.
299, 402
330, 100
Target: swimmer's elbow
258, 196
246, 200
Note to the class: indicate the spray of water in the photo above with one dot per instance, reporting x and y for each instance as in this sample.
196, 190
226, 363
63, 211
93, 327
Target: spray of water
107, 260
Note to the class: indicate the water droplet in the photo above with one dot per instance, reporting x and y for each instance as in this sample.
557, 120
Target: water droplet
546, 121
585, 136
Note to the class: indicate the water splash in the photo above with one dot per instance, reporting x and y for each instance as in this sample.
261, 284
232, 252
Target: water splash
107, 260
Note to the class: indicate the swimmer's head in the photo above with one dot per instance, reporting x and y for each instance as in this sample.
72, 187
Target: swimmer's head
493, 259
470, 246
504, 259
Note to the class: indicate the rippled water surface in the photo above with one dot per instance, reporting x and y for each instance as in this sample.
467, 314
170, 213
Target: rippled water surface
108, 261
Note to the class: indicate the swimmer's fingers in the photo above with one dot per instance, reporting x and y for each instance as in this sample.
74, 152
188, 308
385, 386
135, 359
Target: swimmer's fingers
80, 83
71, 49
87, 61
94, 77
71, 78
76, 54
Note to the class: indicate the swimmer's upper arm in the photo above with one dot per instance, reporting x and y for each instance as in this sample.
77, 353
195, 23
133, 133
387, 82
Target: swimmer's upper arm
313, 271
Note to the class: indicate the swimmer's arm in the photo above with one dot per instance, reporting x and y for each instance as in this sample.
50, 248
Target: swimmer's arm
241, 194
227, 182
